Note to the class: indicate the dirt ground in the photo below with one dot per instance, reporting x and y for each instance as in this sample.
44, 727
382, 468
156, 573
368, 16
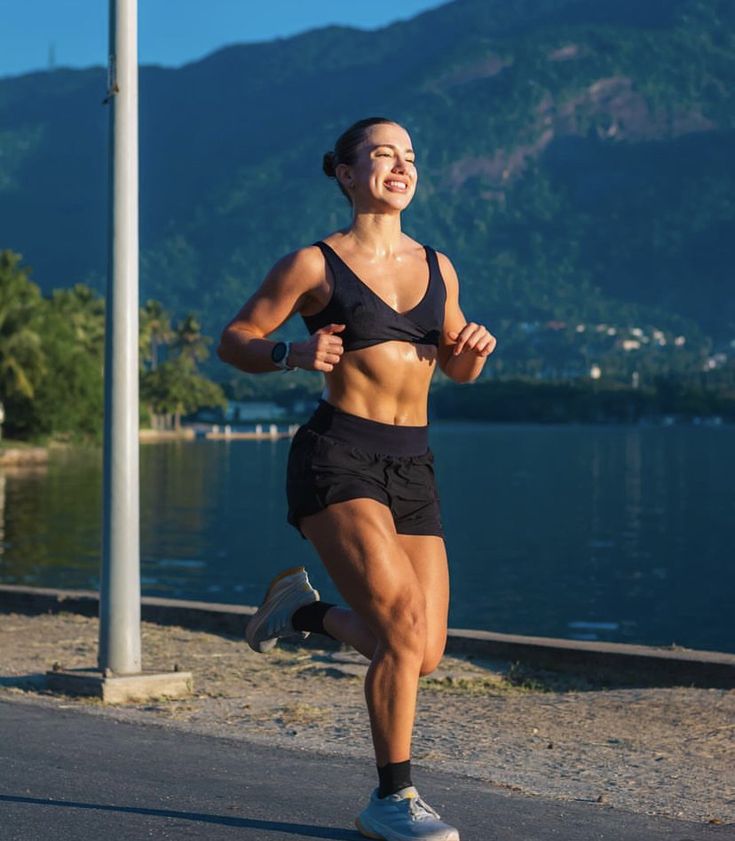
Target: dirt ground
657, 751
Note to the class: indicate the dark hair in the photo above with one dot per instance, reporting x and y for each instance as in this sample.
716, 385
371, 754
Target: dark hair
345, 149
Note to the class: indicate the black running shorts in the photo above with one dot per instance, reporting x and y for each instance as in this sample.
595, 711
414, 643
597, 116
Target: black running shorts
336, 456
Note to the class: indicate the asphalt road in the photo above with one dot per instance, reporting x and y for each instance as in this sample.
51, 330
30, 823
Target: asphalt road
73, 776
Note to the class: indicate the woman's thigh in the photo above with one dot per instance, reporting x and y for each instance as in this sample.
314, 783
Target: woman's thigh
428, 556
373, 567
357, 542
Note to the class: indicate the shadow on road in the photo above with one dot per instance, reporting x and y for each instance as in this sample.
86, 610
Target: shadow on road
300, 829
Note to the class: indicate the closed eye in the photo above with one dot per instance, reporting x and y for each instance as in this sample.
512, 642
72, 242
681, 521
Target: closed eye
388, 155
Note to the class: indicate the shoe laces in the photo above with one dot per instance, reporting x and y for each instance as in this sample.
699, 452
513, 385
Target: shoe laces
420, 810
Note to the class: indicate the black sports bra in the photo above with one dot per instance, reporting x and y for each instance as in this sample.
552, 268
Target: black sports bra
368, 319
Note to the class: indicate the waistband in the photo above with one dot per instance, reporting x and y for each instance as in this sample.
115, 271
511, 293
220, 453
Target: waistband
388, 438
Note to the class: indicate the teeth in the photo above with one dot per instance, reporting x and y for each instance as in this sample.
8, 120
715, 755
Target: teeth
398, 184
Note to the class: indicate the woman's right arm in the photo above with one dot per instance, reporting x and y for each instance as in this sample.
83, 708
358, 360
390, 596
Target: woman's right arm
284, 291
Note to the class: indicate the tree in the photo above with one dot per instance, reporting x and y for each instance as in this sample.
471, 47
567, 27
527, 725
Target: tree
188, 341
22, 363
52, 358
175, 389
70, 397
155, 330
85, 311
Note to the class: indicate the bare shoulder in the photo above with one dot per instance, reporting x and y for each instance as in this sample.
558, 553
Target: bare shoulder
449, 273
302, 269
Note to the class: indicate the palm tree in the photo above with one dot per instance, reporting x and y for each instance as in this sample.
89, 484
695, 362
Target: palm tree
189, 342
155, 330
84, 310
21, 353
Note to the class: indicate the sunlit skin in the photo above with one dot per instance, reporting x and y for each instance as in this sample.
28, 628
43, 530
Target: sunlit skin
396, 585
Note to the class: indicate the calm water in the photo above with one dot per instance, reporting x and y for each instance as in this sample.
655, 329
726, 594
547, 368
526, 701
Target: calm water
588, 532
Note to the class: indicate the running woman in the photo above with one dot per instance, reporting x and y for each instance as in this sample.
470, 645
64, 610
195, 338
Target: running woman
382, 311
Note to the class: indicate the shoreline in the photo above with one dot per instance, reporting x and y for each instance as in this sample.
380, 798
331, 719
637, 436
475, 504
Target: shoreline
17, 456
20, 453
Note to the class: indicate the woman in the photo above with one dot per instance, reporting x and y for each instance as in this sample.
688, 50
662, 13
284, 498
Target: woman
360, 479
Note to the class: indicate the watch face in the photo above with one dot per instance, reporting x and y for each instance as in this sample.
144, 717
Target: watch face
278, 352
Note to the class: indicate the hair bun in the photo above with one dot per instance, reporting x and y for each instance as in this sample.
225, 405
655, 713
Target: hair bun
329, 164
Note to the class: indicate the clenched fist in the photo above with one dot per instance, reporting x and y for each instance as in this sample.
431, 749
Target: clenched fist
321, 352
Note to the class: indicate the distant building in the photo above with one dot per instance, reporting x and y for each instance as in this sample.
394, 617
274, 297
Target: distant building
250, 410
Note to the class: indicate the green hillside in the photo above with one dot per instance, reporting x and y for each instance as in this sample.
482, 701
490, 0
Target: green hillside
575, 161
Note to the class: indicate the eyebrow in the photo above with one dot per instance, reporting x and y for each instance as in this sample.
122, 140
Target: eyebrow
390, 146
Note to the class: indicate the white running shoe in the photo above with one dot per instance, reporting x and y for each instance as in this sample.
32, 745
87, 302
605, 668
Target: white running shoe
403, 816
288, 591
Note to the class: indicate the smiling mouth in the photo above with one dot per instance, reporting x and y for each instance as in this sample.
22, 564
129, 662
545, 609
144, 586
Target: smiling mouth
396, 186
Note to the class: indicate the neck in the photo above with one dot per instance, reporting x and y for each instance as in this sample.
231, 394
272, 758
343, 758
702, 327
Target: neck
376, 233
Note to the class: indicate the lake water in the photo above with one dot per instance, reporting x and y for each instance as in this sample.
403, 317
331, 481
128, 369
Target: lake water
585, 532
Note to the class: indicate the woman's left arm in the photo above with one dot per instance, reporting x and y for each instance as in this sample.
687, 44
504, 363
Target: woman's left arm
464, 345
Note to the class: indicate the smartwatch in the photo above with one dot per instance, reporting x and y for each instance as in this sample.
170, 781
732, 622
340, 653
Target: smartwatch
279, 355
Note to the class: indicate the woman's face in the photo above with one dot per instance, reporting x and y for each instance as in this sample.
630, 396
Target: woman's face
384, 175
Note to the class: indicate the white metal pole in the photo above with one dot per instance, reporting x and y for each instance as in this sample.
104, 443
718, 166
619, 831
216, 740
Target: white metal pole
119, 643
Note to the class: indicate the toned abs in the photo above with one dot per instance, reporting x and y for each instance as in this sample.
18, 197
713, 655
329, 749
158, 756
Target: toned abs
388, 382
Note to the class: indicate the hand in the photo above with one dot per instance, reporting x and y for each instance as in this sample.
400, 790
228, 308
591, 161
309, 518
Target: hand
321, 352
473, 338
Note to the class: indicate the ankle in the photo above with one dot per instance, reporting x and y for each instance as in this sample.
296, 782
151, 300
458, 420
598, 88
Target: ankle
393, 777
310, 617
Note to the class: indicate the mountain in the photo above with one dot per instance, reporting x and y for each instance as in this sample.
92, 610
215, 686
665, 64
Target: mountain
575, 157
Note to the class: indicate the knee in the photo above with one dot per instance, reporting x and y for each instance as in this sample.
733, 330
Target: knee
404, 626
432, 658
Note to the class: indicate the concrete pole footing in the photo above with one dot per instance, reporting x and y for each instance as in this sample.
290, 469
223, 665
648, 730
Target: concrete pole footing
119, 689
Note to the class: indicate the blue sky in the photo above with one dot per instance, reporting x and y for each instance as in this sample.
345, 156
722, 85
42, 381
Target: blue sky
172, 32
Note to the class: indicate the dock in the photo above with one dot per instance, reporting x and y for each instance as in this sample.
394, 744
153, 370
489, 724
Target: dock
220, 432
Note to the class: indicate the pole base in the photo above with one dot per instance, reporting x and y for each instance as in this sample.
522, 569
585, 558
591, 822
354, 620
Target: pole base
119, 689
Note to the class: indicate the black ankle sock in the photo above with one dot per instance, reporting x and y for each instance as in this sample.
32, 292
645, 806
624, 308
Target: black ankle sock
310, 617
393, 777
